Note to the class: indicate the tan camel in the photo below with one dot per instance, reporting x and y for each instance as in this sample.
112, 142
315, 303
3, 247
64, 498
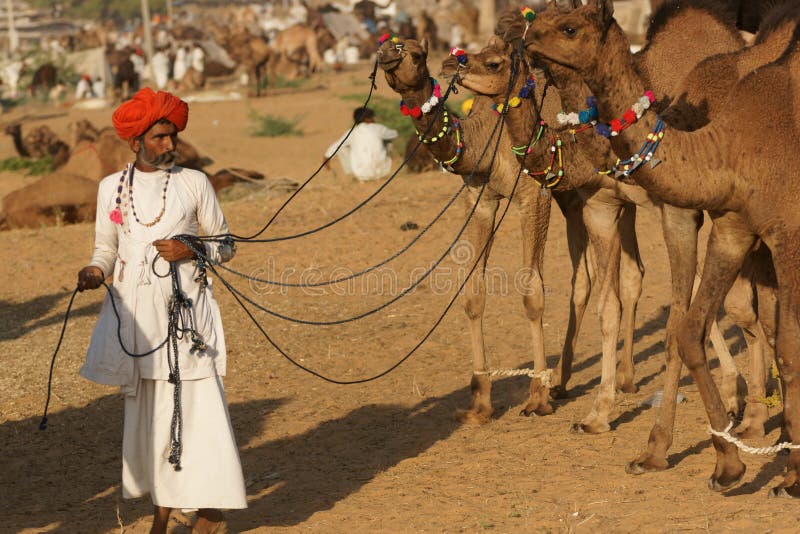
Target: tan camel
739, 302
700, 97
406, 71
609, 220
297, 52
57, 198
38, 143
707, 169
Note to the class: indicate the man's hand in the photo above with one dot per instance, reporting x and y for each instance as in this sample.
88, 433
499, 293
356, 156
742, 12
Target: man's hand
90, 277
173, 250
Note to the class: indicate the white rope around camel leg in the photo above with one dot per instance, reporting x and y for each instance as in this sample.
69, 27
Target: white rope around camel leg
543, 376
764, 451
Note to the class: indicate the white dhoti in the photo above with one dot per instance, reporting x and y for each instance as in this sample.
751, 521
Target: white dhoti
211, 474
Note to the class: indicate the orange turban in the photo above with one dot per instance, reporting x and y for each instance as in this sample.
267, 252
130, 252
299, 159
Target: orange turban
137, 115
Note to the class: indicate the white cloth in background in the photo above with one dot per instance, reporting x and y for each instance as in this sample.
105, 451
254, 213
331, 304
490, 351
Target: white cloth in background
180, 65
365, 154
211, 473
198, 59
83, 89
99, 88
160, 65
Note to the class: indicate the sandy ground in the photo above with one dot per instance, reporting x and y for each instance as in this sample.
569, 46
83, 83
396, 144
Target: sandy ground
385, 456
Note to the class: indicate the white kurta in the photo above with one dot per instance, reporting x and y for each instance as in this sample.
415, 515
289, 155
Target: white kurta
211, 475
365, 154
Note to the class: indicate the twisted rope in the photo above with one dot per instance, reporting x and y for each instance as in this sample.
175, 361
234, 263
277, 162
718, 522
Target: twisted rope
763, 451
543, 376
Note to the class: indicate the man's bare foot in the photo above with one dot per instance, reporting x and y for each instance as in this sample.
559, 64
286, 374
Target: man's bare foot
209, 521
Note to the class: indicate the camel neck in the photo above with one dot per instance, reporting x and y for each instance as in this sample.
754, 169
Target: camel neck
685, 158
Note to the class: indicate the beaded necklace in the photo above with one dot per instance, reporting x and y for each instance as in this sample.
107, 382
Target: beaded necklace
645, 154
448, 165
588, 117
550, 179
442, 132
425, 108
525, 92
116, 215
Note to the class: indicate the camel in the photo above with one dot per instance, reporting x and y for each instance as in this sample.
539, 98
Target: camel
739, 302
38, 143
53, 199
609, 219
737, 188
250, 51
297, 52
406, 72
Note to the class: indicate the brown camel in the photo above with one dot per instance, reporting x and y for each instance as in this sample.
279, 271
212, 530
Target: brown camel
38, 143
700, 97
605, 214
738, 189
739, 302
250, 51
57, 198
610, 221
406, 71
297, 52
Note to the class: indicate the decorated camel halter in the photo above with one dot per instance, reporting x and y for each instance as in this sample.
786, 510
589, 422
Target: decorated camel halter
546, 178
514, 102
428, 106
587, 118
645, 154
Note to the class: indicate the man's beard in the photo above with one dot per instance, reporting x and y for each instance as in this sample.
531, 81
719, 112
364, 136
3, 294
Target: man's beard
164, 161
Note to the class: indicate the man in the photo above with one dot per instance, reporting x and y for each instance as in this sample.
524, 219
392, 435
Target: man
137, 211
365, 153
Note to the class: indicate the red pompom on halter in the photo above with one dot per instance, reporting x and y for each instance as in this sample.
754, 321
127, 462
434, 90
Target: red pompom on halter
459, 54
388, 37
417, 111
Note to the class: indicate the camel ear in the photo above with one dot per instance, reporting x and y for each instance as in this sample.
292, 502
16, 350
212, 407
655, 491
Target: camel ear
606, 8
576, 4
424, 45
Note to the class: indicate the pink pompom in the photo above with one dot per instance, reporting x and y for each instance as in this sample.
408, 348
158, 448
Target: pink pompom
650, 96
115, 216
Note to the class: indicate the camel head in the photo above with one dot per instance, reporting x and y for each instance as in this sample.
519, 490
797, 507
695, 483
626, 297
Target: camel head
563, 35
485, 73
14, 129
404, 63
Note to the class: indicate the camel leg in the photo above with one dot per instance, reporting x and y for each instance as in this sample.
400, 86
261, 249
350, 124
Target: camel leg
787, 270
535, 217
477, 234
680, 228
740, 305
732, 387
631, 273
728, 245
602, 218
582, 277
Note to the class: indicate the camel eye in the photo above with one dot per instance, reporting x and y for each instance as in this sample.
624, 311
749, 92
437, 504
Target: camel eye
569, 31
416, 56
493, 65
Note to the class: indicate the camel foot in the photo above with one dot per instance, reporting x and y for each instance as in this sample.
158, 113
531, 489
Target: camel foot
785, 492
538, 401
541, 409
559, 392
727, 479
628, 388
589, 428
648, 463
473, 417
